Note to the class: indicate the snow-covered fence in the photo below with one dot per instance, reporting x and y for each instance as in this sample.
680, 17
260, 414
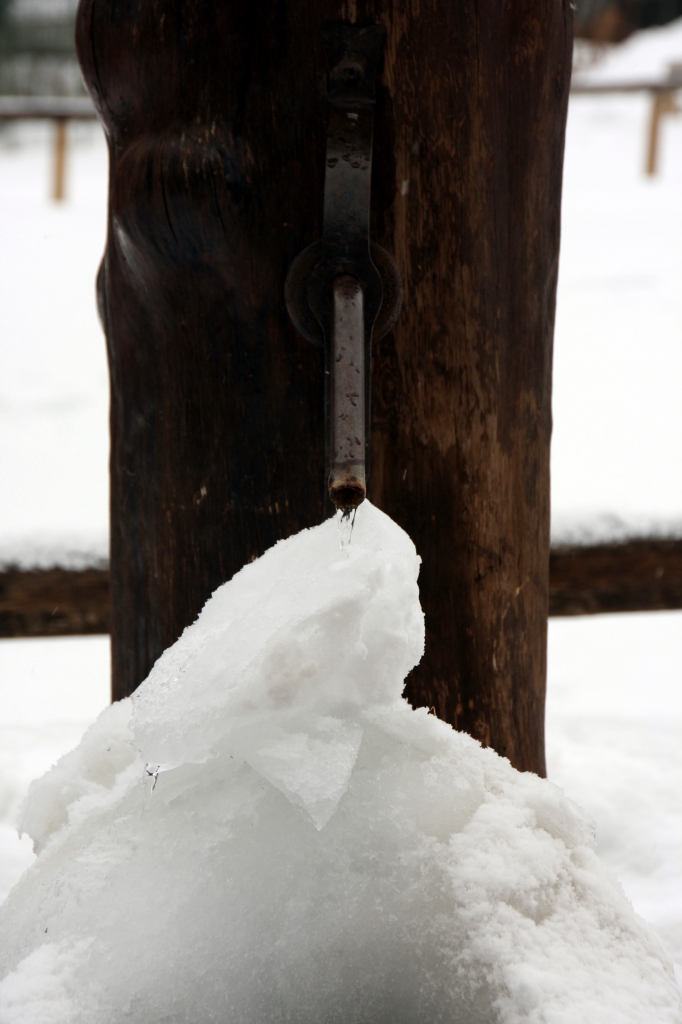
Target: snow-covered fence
643, 574
663, 96
60, 110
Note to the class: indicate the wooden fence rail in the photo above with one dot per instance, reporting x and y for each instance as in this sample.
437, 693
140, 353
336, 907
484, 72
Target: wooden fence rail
53, 602
40, 108
640, 575
602, 88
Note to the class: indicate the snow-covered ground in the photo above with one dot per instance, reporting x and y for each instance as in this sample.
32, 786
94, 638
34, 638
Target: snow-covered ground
614, 744
50, 691
614, 724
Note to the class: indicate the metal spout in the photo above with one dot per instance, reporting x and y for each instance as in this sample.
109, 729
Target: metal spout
347, 483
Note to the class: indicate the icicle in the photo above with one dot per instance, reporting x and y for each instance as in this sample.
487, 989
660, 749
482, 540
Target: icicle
345, 518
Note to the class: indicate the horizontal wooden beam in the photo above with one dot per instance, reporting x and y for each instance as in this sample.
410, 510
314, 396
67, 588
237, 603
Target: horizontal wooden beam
53, 602
636, 576
642, 575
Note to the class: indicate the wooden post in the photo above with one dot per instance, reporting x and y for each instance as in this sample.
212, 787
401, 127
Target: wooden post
654, 126
216, 115
59, 172
663, 103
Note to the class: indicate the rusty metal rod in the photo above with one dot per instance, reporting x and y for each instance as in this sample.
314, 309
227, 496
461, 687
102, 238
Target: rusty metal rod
347, 483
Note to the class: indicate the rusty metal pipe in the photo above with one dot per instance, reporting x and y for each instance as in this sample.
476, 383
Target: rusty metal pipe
347, 483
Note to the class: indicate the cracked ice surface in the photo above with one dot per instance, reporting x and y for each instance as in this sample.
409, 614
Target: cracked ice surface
314, 850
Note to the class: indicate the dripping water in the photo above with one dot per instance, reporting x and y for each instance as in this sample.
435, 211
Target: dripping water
345, 518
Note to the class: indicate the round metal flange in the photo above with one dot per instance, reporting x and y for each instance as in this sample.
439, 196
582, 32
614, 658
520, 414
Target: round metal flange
301, 272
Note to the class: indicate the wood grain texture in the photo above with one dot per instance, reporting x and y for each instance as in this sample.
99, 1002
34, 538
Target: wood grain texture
462, 388
215, 115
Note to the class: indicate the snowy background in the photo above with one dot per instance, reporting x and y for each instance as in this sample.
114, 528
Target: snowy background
614, 720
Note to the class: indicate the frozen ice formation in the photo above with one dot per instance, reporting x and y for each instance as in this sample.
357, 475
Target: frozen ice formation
313, 851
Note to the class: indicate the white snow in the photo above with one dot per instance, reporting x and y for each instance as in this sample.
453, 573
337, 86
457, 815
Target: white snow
53, 380
614, 730
313, 849
51, 690
617, 441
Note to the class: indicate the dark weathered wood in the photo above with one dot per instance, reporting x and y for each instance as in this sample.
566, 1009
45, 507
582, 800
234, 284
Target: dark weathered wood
215, 115
462, 417
54, 602
641, 575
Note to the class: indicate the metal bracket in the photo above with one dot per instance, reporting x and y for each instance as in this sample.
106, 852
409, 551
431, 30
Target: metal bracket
342, 289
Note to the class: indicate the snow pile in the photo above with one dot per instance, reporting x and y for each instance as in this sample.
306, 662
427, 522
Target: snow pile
268, 833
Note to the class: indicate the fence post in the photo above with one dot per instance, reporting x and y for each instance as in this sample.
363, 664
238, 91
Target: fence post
59, 167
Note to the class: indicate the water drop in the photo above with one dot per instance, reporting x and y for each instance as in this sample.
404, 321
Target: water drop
345, 518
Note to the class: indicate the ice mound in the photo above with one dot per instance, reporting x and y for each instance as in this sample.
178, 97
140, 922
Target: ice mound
266, 833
